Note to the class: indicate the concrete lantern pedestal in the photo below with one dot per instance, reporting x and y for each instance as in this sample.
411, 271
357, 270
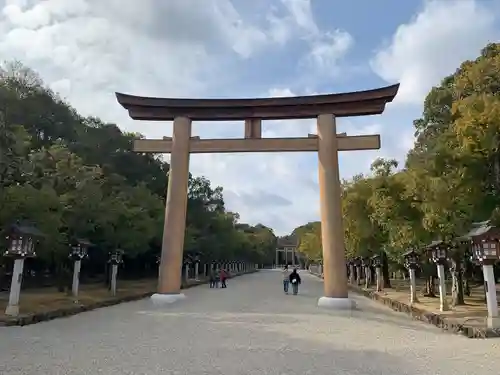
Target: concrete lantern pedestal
159, 299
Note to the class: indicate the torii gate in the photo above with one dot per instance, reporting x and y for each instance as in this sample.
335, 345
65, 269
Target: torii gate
252, 111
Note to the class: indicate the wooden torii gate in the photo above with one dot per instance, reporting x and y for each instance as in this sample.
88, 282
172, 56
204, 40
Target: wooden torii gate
252, 111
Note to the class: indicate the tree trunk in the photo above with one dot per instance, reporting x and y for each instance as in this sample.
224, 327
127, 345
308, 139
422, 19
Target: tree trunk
467, 286
467, 275
429, 287
372, 275
457, 290
385, 271
358, 275
62, 278
352, 275
107, 274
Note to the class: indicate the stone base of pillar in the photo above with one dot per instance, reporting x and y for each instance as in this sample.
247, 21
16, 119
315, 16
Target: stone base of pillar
166, 299
493, 322
337, 303
12, 310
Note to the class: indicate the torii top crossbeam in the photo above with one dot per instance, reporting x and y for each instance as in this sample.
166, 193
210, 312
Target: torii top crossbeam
358, 103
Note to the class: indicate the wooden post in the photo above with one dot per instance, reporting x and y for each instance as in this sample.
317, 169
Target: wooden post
169, 285
253, 128
332, 233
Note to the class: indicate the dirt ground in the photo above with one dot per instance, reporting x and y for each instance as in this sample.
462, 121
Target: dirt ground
49, 299
473, 313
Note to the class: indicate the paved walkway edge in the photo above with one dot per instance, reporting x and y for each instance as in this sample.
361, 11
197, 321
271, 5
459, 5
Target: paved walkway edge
426, 316
27, 319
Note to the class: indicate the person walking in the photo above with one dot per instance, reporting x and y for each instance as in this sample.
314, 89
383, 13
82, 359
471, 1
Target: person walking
295, 281
217, 277
212, 278
286, 280
223, 278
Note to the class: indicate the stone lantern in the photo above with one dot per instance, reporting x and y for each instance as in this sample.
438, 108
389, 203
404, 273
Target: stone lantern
350, 266
377, 263
21, 241
411, 259
115, 259
187, 262
197, 261
78, 252
439, 255
357, 265
486, 251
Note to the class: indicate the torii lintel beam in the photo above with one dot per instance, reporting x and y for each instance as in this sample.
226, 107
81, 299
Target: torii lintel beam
200, 146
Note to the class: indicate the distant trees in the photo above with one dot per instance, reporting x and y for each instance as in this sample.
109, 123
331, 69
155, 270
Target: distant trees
77, 177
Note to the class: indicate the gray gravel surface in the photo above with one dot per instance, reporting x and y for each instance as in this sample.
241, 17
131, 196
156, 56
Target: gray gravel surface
249, 328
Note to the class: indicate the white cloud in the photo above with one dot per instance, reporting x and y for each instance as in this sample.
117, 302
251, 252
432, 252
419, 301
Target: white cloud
433, 44
245, 176
327, 50
87, 49
302, 14
294, 176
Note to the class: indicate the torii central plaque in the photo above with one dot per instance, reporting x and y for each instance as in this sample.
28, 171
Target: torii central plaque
326, 143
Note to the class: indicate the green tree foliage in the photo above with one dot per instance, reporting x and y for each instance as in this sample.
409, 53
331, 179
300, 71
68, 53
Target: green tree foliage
77, 177
451, 177
309, 240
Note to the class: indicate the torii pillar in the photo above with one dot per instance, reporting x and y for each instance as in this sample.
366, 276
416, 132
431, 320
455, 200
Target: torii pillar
325, 108
174, 225
332, 232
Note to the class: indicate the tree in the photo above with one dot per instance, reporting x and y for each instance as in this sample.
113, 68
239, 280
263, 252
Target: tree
450, 179
78, 177
14, 143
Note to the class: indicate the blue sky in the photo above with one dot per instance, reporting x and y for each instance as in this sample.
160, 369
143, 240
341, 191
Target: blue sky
355, 17
87, 49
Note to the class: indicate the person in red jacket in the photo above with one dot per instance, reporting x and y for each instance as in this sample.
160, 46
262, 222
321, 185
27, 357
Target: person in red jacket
223, 278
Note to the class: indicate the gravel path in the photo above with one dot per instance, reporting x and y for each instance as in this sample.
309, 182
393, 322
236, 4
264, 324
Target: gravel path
249, 328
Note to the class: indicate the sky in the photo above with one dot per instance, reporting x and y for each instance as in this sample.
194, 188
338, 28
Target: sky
85, 50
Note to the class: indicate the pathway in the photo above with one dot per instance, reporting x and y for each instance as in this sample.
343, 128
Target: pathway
249, 328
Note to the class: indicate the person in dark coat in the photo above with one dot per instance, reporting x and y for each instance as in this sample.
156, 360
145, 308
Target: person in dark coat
214, 282
295, 280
